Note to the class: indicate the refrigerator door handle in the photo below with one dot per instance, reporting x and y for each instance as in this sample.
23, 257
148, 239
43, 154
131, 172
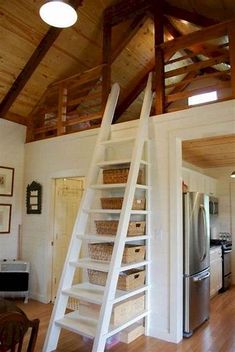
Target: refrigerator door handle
202, 277
204, 228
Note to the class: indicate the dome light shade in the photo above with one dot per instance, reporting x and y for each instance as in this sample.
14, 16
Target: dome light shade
232, 174
58, 13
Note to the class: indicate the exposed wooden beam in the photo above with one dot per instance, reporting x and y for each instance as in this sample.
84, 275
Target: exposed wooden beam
124, 10
133, 91
10, 116
199, 36
106, 72
192, 17
158, 20
30, 66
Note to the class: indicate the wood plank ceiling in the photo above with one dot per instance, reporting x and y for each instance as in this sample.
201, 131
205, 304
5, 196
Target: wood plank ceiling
79, 48
210, 152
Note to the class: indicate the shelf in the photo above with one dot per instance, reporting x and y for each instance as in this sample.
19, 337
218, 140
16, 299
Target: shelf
88, 263
122, 162
115, 329
94, 293
115, 211
116, 185
118, 141
106, 238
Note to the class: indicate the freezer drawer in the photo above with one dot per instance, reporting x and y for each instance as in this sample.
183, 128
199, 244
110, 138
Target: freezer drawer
196, 301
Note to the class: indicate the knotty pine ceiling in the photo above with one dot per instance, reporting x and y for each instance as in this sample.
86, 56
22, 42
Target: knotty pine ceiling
210, 152
79, 48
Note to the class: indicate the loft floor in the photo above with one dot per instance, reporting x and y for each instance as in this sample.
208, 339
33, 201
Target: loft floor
215, 336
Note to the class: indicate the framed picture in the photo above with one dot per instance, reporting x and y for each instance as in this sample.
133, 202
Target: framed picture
6, 181
34, 198
5, 218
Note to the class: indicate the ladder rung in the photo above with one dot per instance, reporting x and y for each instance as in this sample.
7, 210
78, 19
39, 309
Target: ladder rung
86, 326
106, 238
118, 140
133, 265
94, 293
79, 324
88, 263
86, 292
122, 162
117, 185
115, 211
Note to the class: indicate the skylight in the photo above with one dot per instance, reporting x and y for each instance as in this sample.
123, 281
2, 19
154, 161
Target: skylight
202, 98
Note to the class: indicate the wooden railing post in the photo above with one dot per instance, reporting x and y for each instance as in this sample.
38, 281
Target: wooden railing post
62, 109
157, 9
106, 72
231, 36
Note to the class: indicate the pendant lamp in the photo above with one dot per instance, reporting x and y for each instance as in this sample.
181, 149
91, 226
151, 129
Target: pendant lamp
58, 13
232, 174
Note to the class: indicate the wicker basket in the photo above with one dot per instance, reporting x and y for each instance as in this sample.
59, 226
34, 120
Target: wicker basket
120, 176
109, 227
128, 280
103, 251
116, 203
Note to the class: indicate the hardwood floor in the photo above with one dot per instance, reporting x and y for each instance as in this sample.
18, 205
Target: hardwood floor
216, 335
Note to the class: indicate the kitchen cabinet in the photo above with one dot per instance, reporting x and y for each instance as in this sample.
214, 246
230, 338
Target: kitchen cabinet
215, 270
198, 182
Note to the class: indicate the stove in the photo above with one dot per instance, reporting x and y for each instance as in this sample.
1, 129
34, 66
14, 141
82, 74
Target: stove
225, 241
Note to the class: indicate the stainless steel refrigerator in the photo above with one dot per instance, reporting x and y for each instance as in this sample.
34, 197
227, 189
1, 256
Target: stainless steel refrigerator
196, 266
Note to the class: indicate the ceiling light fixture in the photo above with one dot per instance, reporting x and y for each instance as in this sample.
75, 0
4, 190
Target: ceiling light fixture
58, 13
232, 174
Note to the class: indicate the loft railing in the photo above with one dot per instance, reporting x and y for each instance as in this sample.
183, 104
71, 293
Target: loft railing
200, 62
196, 63
70, 105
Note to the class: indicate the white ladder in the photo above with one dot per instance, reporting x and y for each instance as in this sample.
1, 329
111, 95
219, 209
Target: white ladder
106, 296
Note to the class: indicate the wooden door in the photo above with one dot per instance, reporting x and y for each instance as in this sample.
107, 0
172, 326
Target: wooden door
68, 194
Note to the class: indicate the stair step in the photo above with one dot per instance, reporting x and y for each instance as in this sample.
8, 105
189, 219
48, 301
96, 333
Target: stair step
79, 324
116, 185
88, 263
121, 162
86, 326
115, 211
118, 140
106, 238
94, 293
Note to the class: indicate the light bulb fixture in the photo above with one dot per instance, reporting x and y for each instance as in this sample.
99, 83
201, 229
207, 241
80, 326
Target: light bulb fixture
58, 13
232, 174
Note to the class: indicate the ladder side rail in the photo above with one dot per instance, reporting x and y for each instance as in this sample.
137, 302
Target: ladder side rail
148, 233
80, 223
115, 264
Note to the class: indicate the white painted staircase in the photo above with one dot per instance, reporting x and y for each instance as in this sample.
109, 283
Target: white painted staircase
100, 329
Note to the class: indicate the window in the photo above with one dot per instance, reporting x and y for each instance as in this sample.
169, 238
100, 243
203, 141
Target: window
202, 98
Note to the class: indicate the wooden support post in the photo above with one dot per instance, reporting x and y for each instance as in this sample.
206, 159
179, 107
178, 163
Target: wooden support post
62, 109
231, 36
106, 72
157, 9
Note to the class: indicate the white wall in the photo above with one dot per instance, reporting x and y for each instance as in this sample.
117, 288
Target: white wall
12, 137
70, 156
223, 221
169, 130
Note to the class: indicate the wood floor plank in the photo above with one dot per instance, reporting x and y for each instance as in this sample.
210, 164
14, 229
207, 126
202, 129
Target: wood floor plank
216, 335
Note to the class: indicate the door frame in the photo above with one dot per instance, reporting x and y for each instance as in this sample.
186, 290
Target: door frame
52, 229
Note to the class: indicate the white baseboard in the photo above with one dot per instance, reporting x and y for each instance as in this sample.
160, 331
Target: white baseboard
38, 297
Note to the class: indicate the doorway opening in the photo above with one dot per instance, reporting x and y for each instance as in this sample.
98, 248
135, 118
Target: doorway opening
68, 195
